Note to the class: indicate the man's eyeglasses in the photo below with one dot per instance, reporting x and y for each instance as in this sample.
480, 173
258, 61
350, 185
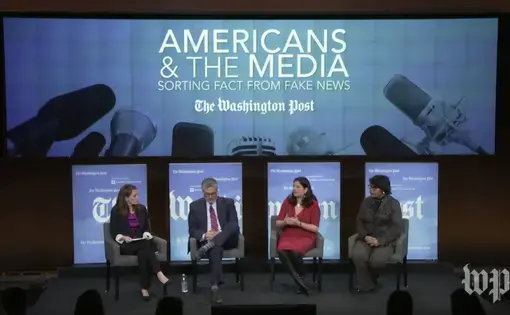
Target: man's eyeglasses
210, 194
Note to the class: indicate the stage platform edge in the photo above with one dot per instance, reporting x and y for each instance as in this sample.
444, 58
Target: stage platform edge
250, 266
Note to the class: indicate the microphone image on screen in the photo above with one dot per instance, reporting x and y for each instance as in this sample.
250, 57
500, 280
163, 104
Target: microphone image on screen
306, 141
192, 140
90, 146
439, 121
131, 133
252, 146
378, 142
62, 118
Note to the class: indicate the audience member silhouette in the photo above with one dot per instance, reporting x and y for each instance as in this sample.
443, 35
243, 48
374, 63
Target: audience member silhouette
89, 303
14, 301
170, 306
399, 303
464, 304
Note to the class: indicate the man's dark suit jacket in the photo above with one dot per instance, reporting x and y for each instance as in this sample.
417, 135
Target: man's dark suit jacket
197, 218
384, 221
119, 224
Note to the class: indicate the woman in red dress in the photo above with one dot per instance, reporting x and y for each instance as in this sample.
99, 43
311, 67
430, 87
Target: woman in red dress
299, 220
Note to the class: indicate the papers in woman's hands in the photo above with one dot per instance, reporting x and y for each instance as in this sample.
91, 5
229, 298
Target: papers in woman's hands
136, 239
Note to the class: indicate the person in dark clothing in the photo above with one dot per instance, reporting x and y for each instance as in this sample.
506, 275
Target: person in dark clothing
14, 301
89, 303
399, 303
170, 305
464, 304
378, 225
129, 226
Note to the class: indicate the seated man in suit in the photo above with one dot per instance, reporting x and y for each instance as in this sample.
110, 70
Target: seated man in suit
379, 224
213, 222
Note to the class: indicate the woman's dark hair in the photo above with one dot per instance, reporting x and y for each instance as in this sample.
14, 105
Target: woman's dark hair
382, 182
308, 198
399, 303
124, 192
89, 303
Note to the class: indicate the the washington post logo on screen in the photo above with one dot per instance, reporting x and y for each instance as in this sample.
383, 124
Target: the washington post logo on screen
495, 282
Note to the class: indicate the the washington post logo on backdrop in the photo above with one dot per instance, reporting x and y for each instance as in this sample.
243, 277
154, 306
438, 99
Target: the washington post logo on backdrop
95, 189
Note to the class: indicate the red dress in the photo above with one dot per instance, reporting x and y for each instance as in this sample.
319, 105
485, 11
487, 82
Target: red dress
296, 238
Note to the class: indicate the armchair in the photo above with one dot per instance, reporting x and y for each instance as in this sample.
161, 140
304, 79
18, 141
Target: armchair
114, 260
317, 254
237, 253
399, 257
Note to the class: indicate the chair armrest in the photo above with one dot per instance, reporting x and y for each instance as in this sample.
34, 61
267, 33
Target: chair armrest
193, 247
111, 251
352, 240
162, 245
401, 246
273, 241
319, 244
240, 244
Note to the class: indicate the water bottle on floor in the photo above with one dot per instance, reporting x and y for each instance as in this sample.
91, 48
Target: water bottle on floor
184, 284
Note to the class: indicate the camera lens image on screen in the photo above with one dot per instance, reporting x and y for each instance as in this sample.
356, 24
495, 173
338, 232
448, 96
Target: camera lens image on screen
95, 189
185, 187
325, 181
415, 185
311, 87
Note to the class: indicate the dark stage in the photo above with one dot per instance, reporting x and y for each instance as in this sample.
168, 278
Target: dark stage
430, 290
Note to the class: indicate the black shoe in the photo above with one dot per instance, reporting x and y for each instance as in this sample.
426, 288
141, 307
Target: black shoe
302, 288
301, 291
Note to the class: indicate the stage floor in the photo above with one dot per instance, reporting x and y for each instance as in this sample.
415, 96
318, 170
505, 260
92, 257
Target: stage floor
430, 293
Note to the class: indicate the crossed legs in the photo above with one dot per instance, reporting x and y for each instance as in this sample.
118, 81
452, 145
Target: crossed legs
294, 264
213, 250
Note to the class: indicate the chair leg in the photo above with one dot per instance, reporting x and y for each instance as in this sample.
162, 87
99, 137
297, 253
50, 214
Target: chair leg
194, 271
314, 270
271, 274
319, 274
399, 271
117, 280
241, 272
351, 274
405, 271
237, 270
107, 276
